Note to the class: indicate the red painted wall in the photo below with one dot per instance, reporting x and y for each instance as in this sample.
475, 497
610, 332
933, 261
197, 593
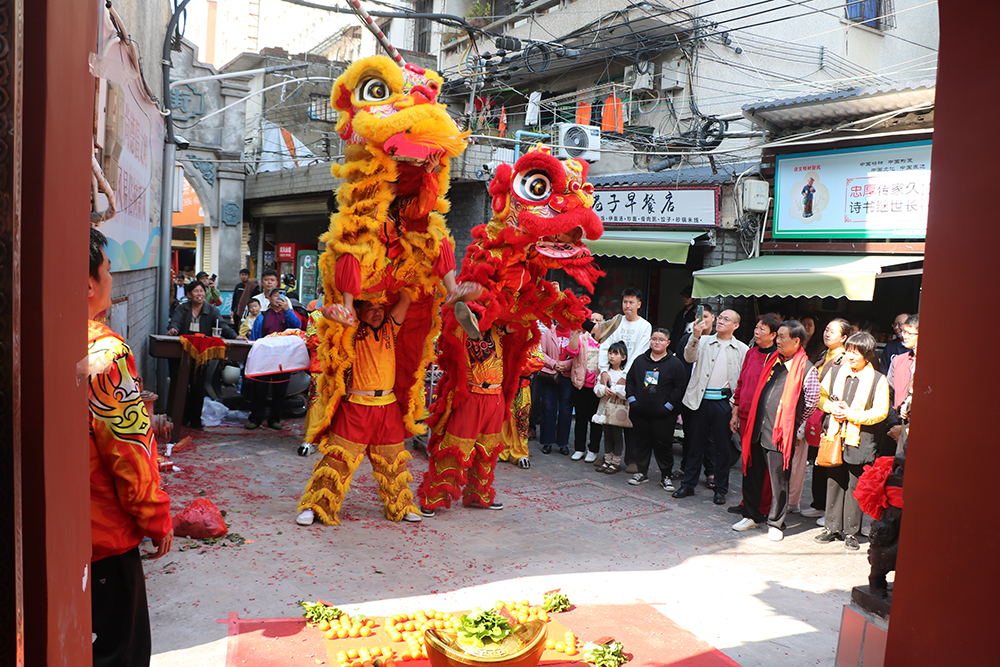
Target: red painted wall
947, 584
57, 127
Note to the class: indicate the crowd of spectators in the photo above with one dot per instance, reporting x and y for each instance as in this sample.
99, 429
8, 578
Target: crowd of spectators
764, 407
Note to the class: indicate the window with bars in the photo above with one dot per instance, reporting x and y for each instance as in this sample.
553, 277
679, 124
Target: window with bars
423, 26
320, 109
878, 14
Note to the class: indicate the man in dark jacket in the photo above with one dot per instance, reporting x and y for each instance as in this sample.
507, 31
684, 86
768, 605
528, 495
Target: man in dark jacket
654, 388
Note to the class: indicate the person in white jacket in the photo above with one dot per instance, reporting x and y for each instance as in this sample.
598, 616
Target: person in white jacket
634, 332
612, 391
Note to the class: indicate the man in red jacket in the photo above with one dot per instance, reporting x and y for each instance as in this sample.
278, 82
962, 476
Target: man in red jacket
126, 502
756, 482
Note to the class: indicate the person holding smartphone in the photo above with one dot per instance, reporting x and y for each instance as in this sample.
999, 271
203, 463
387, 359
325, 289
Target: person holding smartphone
278, 317
718, 360
212, 294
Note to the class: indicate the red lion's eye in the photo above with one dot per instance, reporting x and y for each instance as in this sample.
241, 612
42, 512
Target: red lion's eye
534, 186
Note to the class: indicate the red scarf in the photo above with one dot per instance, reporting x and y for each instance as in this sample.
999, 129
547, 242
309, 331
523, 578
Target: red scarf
783, 434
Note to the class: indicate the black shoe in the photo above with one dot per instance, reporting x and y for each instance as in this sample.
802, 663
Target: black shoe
682, 492
546, 449
564, 450
735, 509
851, 543
198, 427
826, 537
720, 498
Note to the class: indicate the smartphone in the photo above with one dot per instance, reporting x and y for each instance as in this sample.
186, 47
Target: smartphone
700, 312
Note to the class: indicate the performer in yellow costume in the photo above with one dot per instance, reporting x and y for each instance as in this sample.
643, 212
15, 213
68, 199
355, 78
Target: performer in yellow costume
518, 422
367, 421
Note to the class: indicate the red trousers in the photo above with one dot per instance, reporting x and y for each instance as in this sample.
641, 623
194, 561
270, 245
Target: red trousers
463, 459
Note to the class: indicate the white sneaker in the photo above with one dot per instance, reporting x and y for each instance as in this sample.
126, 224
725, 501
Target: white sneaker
591, 457
775, 534
412, 517
821, 521
576, 456
744, 525
305, 518
812, 513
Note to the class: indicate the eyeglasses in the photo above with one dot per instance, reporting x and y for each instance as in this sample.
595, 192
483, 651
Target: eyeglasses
725, 318
907, 334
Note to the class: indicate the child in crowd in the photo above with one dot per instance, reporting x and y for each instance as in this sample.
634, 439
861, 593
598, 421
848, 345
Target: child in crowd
247, 324
612, 392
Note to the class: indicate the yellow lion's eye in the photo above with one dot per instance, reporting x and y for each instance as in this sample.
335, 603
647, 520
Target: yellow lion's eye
373, 90
533, 186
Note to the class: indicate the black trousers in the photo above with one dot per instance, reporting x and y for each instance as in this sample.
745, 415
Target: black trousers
195, 399
843, 513
819, 478
629, 456
119, 615
708, 442
278, 385
653, 437
779, 488
584, 406
753, 483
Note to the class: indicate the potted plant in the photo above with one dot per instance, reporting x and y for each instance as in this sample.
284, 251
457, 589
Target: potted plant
479, 14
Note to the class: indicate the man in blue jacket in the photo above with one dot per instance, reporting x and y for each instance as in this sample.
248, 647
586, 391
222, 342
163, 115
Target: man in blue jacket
278, 317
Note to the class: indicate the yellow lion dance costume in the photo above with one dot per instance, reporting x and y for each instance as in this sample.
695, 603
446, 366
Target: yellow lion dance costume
387, 236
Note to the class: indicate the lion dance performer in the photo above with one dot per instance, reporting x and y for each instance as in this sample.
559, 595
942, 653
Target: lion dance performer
542, 209
518, 422
387, 238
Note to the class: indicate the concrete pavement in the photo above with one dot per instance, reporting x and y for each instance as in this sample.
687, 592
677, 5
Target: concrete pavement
564, 526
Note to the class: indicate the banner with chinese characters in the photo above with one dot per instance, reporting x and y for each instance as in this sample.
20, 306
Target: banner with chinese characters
659, 206
871, 192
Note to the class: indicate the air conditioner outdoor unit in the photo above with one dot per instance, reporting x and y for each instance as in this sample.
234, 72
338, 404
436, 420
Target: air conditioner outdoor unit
640, 77
672, 75
579, 141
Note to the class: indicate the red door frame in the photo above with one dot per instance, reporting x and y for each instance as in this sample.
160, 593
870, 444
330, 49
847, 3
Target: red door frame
947, 584
57, 123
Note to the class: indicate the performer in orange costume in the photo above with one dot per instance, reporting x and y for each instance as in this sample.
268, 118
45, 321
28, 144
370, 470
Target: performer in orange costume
468, 452
368, 421
542, 209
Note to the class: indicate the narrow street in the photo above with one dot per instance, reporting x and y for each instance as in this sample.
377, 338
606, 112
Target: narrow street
564, 526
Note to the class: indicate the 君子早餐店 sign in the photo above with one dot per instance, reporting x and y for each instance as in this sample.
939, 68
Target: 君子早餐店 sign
696, 205
871, 192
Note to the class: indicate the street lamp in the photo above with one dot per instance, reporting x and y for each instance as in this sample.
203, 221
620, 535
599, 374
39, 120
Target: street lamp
170, 144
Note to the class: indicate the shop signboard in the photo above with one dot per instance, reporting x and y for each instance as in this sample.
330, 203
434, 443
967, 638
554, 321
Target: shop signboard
870, 192
695, 206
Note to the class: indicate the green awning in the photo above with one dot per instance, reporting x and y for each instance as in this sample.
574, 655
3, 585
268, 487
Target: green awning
797, 275
665, 246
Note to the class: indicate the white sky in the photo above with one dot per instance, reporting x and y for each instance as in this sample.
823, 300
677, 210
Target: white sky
292, 27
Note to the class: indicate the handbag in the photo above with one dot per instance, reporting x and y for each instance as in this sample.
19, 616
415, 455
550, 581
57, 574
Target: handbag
831, 450
552, 378
616, 414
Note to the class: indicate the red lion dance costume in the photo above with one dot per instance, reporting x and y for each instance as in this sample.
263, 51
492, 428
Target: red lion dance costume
541, 212
388, 235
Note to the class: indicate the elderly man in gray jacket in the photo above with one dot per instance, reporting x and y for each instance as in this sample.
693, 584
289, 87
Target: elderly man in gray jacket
718, 360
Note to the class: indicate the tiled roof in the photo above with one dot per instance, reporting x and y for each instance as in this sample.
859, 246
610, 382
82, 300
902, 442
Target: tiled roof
839, 106
727, 173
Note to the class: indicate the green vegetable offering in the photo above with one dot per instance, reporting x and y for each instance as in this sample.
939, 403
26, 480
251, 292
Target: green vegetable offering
481, 626
318, 611
606, 655
555, 602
